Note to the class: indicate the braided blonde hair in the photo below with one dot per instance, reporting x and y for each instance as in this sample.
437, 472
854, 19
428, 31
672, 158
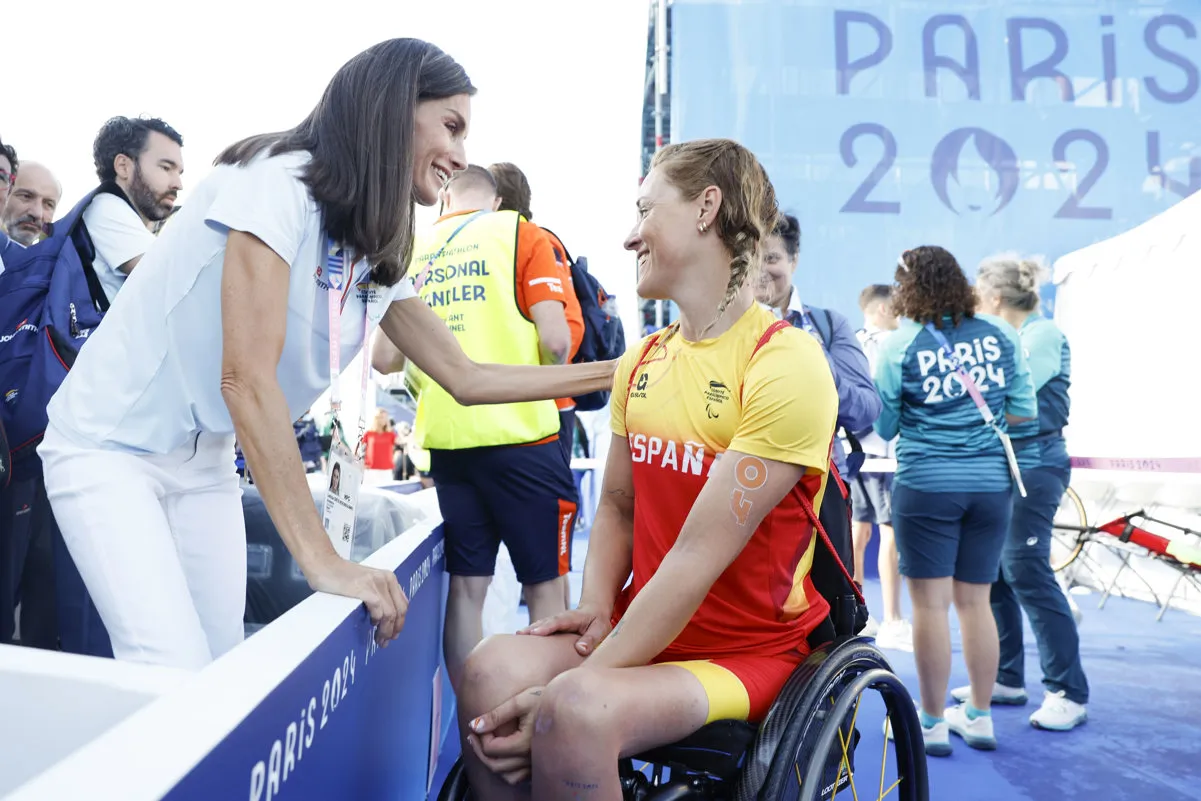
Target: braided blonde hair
748, 210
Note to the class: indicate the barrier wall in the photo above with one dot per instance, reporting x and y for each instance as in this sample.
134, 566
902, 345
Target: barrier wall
307, 708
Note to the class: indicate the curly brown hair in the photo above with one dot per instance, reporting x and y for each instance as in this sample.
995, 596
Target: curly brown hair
931, 285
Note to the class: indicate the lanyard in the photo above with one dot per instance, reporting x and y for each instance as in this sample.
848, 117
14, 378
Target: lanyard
800, 319
339, 274
968, 383
424, 275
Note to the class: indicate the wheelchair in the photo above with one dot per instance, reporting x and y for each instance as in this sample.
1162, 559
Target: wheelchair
804, 750
805, 747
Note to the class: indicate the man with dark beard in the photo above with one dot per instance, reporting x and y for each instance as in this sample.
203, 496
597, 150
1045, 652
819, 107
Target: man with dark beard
140, 163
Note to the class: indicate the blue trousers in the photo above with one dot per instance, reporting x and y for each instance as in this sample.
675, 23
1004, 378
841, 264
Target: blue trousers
1027, 583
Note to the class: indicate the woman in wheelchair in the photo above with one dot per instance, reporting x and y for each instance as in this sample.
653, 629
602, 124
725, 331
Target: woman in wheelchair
722, 425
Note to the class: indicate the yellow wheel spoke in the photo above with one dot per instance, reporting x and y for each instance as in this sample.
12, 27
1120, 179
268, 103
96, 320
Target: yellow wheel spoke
884, 760
846, 759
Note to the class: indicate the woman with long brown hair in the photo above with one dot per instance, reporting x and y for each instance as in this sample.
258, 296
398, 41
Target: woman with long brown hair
951, 380
238, 318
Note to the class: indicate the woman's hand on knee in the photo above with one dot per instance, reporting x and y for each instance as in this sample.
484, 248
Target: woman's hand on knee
591, 623
507, 755
377, 589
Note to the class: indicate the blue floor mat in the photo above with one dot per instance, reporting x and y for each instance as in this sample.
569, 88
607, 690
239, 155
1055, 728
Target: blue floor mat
1144, 729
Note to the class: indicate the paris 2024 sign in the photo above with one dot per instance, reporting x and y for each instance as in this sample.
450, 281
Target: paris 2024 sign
982, 127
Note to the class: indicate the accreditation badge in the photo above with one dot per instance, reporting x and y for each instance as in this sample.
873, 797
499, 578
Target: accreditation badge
344, 477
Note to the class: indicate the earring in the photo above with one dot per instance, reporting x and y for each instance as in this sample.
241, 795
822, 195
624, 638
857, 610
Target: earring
702, 227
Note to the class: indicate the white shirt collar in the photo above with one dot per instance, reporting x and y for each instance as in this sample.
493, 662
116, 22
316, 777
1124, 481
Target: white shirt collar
794, 304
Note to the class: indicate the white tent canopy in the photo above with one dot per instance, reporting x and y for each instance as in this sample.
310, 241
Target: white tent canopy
1129, 305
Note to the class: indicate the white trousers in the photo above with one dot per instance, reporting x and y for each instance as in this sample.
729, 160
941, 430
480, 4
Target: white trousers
160, 542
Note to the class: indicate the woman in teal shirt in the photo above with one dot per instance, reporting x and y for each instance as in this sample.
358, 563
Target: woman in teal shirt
1008, 287
952, 494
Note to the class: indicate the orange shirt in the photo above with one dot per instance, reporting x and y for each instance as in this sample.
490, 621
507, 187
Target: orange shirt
571, 307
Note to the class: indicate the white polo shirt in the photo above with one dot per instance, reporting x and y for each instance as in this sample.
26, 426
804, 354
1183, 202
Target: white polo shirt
119, 235
149, 377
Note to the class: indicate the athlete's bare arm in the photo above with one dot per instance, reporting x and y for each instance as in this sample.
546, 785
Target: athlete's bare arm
611, 544
424, 339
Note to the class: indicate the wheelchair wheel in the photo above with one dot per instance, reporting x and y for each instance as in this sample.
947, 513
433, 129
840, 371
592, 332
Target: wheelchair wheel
805, 749
1068, 532
455, 788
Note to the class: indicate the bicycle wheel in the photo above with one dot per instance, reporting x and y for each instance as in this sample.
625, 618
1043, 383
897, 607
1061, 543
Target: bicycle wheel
1068, 531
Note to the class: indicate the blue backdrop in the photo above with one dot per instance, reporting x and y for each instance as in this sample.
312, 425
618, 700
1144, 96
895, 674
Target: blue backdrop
980, 126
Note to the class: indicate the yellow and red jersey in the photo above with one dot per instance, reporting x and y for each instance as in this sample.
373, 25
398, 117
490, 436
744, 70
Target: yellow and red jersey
687, 404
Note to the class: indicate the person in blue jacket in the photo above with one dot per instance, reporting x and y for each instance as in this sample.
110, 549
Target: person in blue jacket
952, 493
1008, 287
858, 403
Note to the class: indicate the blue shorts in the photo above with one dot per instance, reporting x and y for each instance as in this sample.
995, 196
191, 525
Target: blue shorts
950, 534
521, 495
871, 498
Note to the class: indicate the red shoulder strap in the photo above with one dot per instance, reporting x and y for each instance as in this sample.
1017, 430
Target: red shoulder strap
772, 330
651, 343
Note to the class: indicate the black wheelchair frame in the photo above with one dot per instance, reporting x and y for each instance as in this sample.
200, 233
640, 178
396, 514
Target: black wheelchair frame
802, 751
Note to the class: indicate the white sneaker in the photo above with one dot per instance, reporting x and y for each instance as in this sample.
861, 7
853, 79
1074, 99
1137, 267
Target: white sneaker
937, 738
1058, 713
1005, 696
976, 733
895, 635
871, 628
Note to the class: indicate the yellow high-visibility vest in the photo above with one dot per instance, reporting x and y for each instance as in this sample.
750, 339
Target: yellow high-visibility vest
470, 281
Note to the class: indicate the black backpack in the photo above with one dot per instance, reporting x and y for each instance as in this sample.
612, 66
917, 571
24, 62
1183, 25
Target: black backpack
604, 337
832, 524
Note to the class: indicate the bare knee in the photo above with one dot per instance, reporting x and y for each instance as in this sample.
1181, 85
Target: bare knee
495, 671
931, 595
575, 707
505, 664
973, 597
